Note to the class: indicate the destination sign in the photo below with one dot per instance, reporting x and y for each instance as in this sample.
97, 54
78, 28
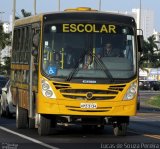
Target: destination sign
98, 28
90, 28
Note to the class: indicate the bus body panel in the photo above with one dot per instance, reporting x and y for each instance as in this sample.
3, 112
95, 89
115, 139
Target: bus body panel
69, 106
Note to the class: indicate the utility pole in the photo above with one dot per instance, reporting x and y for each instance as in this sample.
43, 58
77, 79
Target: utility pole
35, 7
140, 7
59, 5
1, 12
99, 5
13, 15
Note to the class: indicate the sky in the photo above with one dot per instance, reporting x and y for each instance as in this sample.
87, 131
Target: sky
106, 5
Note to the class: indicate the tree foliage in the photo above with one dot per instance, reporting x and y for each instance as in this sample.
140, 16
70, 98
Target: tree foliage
150, 54
7, 63
4, 38
5, 69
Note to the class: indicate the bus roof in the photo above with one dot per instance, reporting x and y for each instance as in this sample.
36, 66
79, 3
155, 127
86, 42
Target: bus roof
28, 20
68, 15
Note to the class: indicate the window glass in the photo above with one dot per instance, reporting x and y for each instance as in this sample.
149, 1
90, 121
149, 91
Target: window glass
93, 49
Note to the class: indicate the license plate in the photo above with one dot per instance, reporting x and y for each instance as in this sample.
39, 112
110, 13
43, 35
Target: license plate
88, 105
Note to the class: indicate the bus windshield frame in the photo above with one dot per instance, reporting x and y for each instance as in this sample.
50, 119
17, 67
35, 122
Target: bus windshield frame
89, 42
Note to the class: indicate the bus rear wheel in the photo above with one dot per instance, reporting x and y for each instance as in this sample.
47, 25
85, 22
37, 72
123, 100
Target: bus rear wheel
31, 123
21, 117
44, 125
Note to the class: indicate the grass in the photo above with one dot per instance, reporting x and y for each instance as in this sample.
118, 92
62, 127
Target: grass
155, 101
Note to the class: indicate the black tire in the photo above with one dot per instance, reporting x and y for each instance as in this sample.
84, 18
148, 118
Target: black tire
2, 113
44, 126
120, 130
31, 123
21, 118
138, 106
8, 113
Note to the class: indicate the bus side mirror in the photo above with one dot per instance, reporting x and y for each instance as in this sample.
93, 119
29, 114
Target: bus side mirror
140, 43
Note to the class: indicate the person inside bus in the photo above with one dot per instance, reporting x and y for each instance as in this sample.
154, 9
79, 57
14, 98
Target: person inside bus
57, 60
88, 62
109, 51
69, 57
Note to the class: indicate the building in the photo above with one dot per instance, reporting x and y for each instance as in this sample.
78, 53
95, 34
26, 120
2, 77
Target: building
143, 18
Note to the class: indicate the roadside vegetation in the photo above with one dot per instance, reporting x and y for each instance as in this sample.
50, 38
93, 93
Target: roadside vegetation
154, 101
150, 56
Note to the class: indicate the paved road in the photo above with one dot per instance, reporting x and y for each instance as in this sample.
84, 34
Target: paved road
143, 132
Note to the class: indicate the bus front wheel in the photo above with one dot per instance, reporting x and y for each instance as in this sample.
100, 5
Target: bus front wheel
44, 125
120, 129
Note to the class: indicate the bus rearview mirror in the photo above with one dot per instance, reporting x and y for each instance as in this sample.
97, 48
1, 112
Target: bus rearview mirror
140, 43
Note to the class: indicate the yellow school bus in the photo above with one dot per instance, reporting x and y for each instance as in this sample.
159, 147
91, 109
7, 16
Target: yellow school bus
62, 72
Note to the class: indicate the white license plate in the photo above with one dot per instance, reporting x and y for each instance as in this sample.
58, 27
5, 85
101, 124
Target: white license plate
88, 105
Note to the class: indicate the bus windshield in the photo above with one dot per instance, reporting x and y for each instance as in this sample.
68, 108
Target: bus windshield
91, 49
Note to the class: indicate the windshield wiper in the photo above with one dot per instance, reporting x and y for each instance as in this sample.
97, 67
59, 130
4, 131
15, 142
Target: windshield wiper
103, 67
76, 69
99, 62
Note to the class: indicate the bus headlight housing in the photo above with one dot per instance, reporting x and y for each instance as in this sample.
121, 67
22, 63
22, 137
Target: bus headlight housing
131, 92
47, 90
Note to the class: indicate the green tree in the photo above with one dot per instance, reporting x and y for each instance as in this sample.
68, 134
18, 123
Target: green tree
4, 38
149, 57
6, 66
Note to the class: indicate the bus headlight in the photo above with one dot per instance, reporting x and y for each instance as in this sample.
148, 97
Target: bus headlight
45, 86
47, 90
131, 92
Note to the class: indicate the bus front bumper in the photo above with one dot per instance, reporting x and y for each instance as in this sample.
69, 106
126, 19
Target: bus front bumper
102, 108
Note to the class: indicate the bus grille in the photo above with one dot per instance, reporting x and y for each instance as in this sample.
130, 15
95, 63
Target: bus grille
117, 87
61, 85
81, 94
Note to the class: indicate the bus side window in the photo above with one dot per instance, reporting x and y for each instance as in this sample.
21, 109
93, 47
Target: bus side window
15, 42
18, 45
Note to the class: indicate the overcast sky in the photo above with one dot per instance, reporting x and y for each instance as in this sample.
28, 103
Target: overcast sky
107, 5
